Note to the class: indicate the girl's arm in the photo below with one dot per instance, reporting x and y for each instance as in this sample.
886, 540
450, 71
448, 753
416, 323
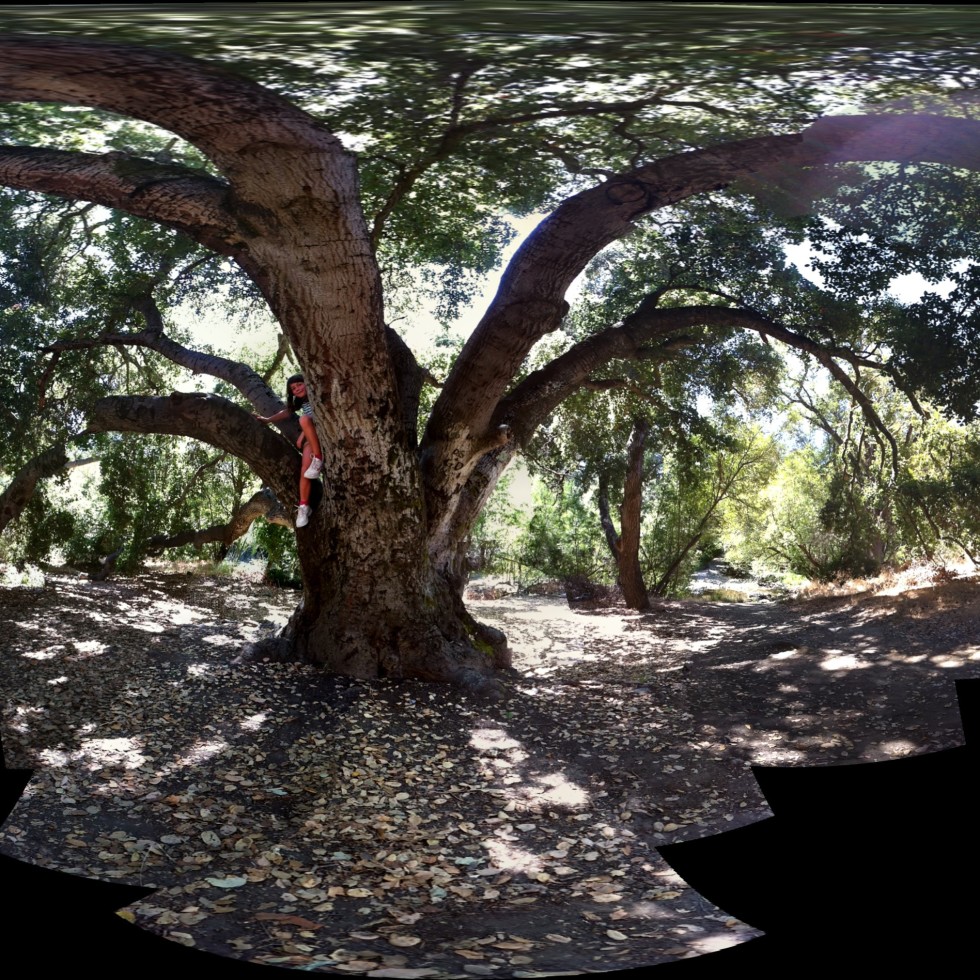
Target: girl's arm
278, 417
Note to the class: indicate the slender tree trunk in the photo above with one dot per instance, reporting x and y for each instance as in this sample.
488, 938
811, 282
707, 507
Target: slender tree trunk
625, 546
630, 575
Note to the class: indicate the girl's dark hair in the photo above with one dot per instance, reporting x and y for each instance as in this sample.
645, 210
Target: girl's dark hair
294, 403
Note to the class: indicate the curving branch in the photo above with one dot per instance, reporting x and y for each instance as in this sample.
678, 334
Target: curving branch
261, 504
226, 116
299, 231
535, 398
530, 301
210, 419
179, 197
19, 491
252, 385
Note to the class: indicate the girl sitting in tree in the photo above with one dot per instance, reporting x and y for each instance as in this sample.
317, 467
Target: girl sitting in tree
308, 443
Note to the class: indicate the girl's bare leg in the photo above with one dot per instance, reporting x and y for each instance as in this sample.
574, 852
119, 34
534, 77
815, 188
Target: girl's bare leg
309, 430
304, 484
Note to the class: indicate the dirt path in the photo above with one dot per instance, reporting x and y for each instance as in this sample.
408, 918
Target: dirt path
402, 830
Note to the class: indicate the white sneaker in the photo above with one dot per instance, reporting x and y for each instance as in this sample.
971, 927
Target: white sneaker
314, 471
303, 517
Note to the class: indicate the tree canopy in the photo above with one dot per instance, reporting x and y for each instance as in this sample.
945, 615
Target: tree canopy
337, 175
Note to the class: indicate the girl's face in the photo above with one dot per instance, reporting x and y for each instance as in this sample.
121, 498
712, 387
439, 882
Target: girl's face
298, 388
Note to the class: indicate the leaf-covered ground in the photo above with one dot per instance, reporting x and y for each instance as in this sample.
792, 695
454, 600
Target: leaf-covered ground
412, 831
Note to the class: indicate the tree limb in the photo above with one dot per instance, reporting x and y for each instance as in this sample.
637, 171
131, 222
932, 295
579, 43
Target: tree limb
535, 398
19, 491
530, 301
210, 419
252, 386
178, 197
261, 504
226, 116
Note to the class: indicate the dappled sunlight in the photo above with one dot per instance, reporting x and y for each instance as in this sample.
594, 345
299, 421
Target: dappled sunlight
507, 857
273, 613
898, 747
43, 654
254, 722
148, 627
896, 656
843, 661
88, 648
622, 733
492, 738
711, 942
99, 753
32, 627
552, 790
200, 752
25, 717
176, 615
222, 641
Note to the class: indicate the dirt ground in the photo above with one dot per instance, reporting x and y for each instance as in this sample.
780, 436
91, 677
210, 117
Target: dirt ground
401, 830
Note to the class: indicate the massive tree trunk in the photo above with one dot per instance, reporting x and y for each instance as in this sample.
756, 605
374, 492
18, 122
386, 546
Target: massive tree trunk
381, 555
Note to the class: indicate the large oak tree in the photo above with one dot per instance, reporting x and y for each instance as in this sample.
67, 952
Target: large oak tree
281, 198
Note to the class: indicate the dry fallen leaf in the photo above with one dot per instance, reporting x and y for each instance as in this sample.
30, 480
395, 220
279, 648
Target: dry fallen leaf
294, 920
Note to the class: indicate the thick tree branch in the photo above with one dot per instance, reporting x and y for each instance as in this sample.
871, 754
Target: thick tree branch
530, 301
187, 200
293, 192
226, 116
19, 491
252, 386
535, 398
261, 504
209, 419
541, 392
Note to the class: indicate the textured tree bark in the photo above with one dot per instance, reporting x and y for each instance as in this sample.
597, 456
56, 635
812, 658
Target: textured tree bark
625, 546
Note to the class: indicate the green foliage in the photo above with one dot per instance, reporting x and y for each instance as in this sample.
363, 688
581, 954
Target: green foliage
492, 540
42, 526
835, 509
779, 529
685, 497
278, 544
563, 538
938, 499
